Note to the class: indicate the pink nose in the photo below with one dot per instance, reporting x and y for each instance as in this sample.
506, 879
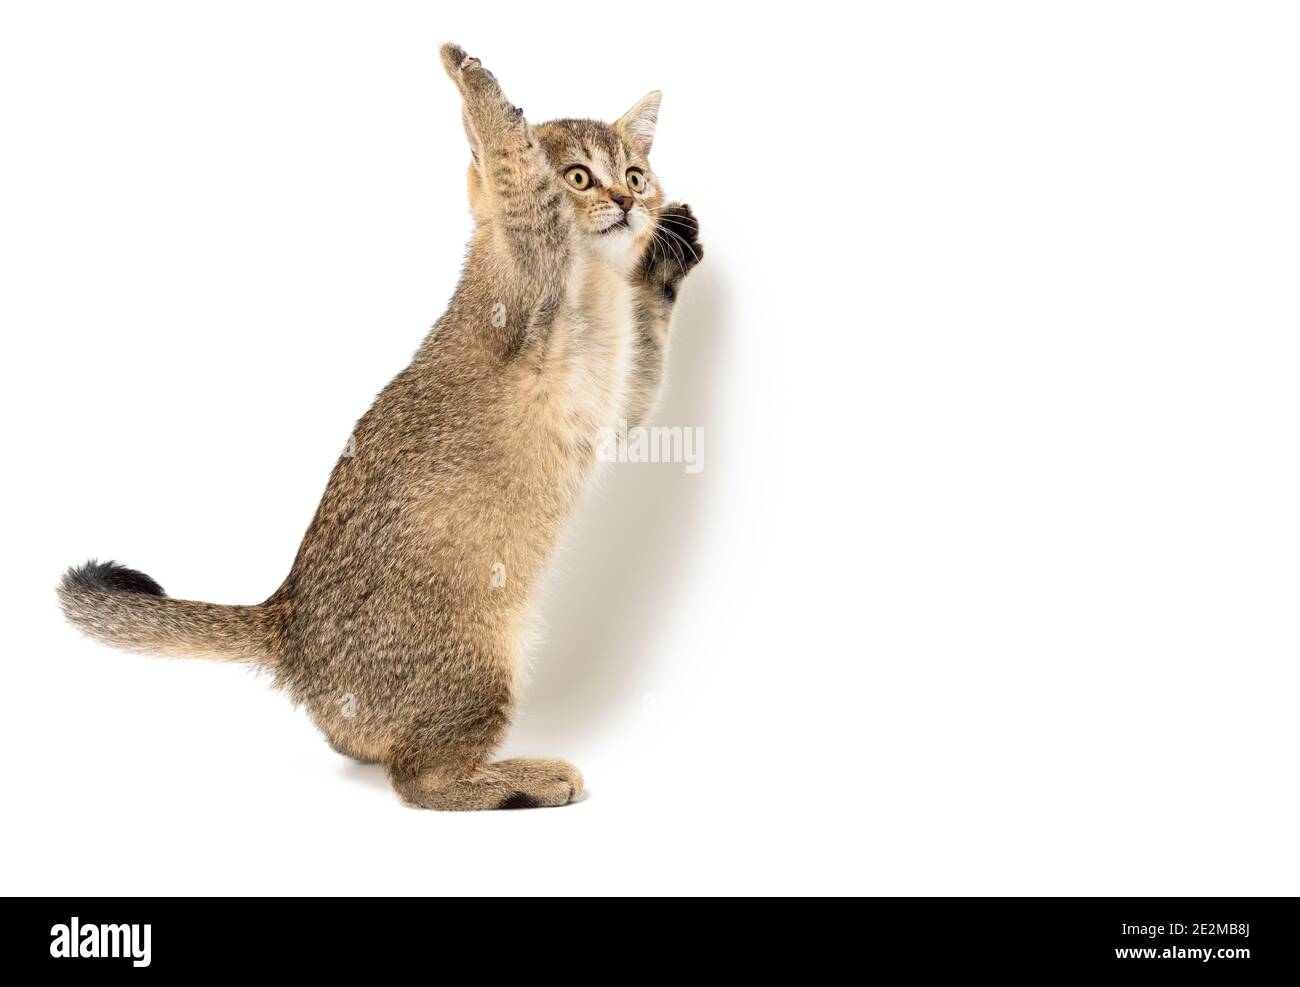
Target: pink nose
624, 202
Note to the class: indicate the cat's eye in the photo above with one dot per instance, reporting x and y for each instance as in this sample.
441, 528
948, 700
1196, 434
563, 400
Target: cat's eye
636, 180
579, 177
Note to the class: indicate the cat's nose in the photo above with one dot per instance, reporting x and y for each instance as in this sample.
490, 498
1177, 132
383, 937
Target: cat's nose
624, 202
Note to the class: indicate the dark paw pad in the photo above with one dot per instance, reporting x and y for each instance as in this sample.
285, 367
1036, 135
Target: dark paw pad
520, 801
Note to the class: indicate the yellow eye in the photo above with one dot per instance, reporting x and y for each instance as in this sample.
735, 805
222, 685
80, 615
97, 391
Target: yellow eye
579, 177
635, 180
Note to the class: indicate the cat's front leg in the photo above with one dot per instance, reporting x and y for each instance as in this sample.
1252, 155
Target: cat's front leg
513, 187
673, 252
493, 123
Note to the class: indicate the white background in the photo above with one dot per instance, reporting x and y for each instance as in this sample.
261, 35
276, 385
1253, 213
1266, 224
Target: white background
988, 585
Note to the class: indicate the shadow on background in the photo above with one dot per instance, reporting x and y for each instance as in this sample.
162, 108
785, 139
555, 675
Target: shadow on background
613, 587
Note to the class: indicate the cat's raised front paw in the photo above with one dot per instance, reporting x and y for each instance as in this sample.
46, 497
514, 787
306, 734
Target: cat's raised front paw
681, 227
674, 249
485, 104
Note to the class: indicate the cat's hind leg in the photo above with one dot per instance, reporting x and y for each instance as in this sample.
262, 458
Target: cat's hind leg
442, 759
517, 783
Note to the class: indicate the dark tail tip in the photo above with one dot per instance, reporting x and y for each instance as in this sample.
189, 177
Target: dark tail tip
108, 577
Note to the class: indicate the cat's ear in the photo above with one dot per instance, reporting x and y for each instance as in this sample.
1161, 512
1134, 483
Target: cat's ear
638, 123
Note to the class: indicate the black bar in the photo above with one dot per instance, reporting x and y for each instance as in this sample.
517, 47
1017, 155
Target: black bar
1181, 937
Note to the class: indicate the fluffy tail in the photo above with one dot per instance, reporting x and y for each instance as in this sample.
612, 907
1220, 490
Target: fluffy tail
127, 609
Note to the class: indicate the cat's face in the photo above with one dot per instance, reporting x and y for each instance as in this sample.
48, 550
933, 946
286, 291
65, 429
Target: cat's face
607, 177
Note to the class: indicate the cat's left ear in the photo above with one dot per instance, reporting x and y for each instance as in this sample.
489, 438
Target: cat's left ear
638, 123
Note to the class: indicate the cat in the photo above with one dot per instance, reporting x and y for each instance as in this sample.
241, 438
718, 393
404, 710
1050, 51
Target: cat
399, 625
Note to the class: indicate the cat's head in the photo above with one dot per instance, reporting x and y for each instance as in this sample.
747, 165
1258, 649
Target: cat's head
605, 168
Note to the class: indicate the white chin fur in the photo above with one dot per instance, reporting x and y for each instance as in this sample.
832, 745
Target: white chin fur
617, 248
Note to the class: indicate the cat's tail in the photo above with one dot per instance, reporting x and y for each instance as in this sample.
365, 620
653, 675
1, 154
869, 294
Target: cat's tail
127, 609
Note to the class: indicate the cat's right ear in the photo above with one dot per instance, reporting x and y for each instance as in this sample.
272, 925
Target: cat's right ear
638, 123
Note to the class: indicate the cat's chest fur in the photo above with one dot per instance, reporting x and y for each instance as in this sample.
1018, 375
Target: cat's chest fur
589, 356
